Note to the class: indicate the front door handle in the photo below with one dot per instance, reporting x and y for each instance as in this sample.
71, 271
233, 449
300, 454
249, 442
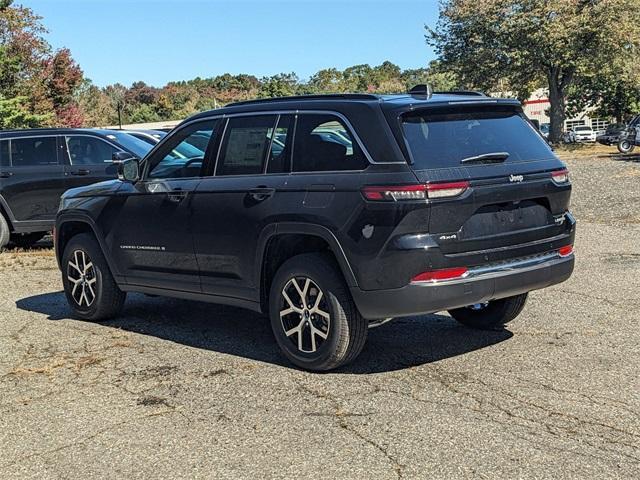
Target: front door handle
6, 174
81, 171
177, 195
261, 193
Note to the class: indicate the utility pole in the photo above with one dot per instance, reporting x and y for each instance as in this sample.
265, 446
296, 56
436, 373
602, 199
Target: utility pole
119, 106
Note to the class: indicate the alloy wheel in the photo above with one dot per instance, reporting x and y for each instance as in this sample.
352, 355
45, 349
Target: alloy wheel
304, 314
82, 275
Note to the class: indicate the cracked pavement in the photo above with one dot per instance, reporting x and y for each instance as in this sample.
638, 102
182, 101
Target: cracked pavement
178, 389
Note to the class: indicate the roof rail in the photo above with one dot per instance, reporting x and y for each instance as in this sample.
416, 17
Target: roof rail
327, 96
463, 92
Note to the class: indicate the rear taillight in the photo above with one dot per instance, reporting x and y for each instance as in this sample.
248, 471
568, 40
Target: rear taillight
397, 193
440, 275
444, 190
565, 251
560, 176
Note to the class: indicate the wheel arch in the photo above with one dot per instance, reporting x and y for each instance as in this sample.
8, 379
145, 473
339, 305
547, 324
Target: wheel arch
279, 242
6, 212
68, 226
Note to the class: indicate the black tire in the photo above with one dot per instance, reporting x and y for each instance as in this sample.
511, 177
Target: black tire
108, 299
625, 146
5, 233
26, 240
492, 316
345, 330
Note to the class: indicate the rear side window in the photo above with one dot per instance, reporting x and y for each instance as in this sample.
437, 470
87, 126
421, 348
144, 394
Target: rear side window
279, 158
324, 143
245, 145
89, 150
441, 140
4, 154
33, 151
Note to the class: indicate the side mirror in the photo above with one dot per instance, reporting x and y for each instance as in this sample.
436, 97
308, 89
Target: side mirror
129, 170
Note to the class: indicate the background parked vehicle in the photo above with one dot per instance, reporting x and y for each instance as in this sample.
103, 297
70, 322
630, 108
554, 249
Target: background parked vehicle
37, 166
612, 134
545, 128
149, 136
584, 133
630, 137
569, 136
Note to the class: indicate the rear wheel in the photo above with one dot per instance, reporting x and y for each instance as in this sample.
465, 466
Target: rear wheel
4, 232
26, 240
625, 146
89, 286
491, 315
313, 317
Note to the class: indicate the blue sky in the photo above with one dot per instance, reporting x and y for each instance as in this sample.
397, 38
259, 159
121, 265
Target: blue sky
161, 40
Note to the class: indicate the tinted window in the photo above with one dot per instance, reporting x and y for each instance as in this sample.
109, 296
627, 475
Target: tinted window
323, 143
33, 151
89, 150
4, 153
438, 140
279, 160
178, 157
245, 146
131, 143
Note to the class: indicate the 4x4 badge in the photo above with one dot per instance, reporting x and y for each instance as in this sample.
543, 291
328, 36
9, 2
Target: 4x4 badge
516, 178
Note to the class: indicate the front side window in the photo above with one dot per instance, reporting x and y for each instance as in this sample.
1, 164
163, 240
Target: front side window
89, 150
246, 143
324, 143
179, 157
33, 151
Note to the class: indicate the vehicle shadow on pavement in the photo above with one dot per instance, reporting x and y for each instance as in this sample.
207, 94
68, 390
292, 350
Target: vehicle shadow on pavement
397, 345
630, 157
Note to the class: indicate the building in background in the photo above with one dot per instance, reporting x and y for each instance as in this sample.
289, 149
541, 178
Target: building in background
537, 108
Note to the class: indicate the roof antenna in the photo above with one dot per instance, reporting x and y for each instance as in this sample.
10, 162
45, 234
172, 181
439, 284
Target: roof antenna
422, 90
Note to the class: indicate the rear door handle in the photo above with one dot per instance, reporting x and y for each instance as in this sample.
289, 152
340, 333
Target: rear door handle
261, 193
6, 174
81, 171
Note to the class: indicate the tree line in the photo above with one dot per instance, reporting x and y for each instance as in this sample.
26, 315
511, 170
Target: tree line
584, 52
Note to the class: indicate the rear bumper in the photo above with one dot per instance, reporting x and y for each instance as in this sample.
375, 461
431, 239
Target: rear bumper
487, 283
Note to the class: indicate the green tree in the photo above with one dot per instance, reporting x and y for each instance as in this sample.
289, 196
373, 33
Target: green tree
15, 114
608, 96
526, 42
46, 82
280, 85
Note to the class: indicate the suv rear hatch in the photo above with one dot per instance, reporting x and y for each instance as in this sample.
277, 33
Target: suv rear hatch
515, 196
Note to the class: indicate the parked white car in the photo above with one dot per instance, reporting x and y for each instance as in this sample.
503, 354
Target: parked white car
584, 134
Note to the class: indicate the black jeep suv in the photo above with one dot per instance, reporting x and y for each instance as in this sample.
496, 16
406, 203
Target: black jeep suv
38, 165
331, 214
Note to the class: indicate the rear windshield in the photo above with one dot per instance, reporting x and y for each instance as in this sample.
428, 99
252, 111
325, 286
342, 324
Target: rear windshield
443, 139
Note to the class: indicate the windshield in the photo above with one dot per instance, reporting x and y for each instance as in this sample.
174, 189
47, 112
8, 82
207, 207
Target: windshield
438, 139
583, 129
131, 143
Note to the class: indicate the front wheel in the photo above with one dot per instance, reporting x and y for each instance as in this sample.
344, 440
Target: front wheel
89, 286
313, 317
625, 146
5, 233
491, 315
